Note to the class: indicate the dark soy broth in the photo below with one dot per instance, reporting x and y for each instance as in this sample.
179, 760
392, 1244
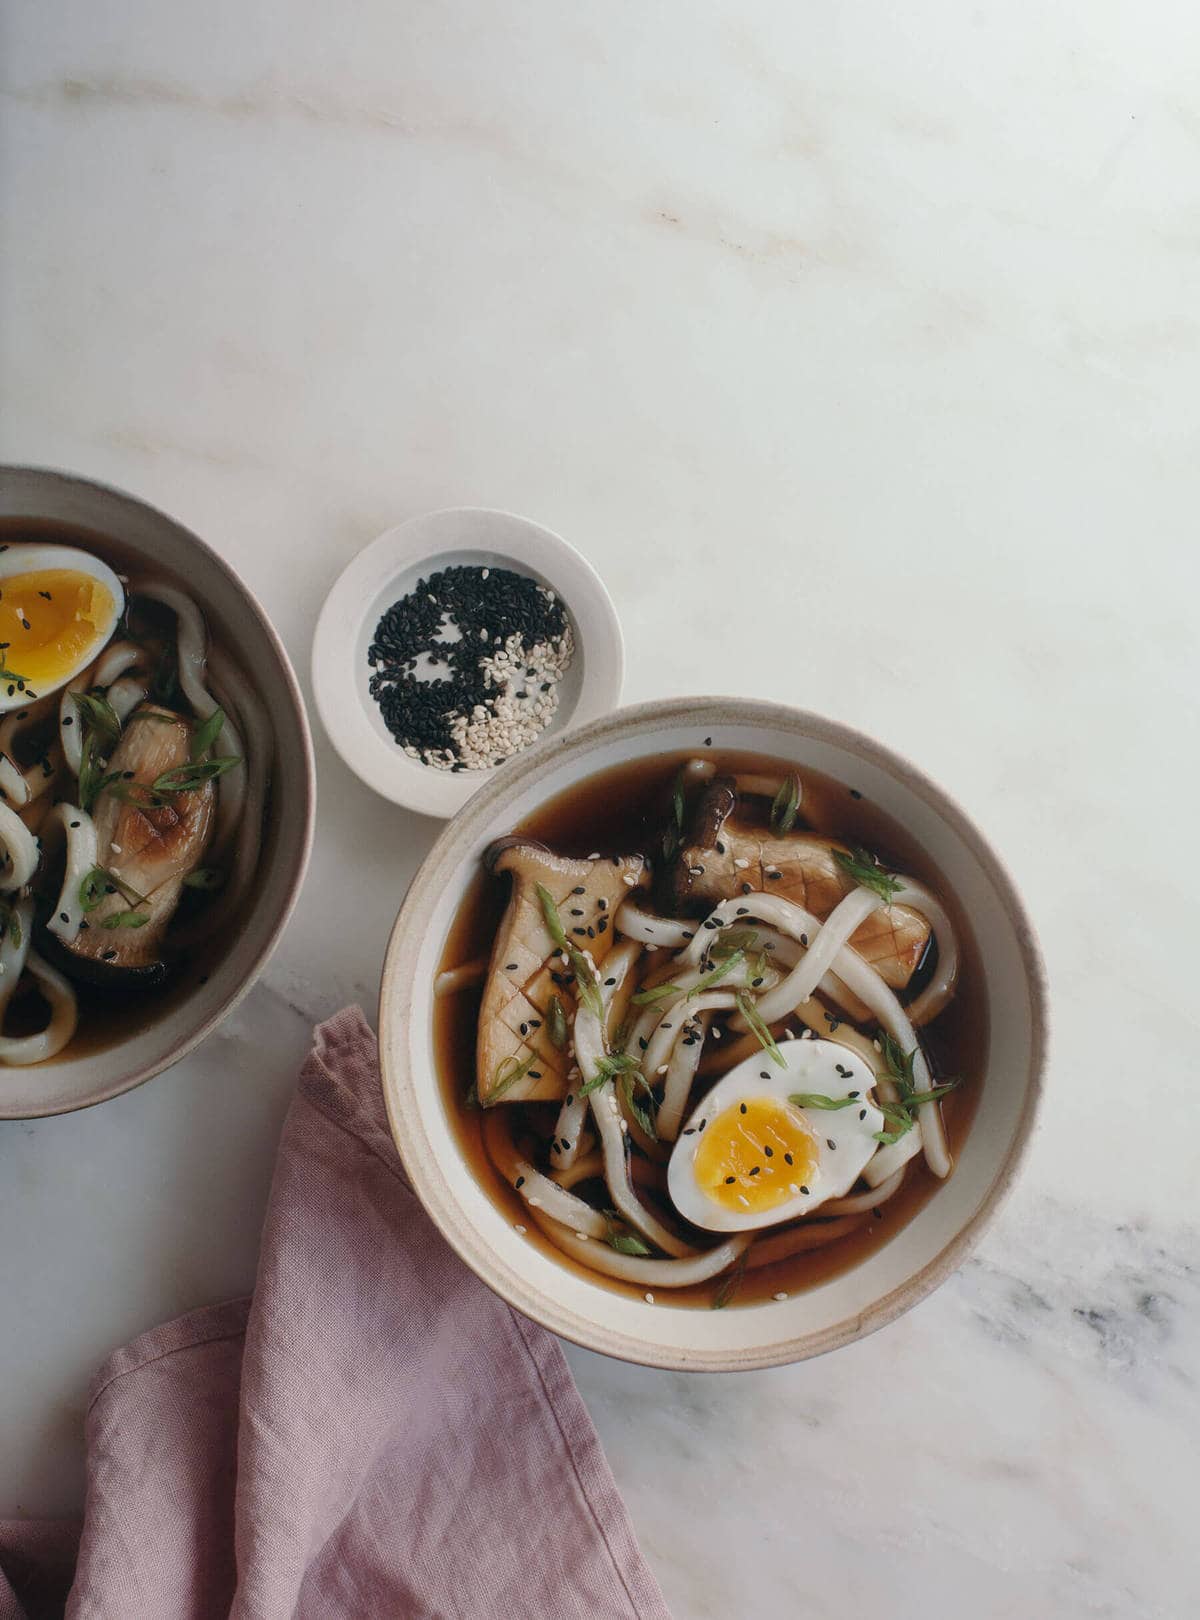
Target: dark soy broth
622, 810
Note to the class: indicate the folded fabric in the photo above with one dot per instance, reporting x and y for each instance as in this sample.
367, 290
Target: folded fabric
374, 1433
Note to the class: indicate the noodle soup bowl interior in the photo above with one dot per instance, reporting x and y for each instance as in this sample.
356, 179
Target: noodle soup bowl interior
162, 1026
841, 1307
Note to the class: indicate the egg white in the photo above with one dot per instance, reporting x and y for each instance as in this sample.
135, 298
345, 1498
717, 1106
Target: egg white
845, 1136
34, 558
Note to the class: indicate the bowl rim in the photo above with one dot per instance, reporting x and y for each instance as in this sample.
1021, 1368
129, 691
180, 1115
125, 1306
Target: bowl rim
416, 544
303, 851
421, 1165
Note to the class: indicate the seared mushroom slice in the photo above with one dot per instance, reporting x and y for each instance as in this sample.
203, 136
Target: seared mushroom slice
522, 979
720, 859
148, 847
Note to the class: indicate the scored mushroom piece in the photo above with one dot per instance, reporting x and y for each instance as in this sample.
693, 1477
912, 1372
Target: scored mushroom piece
526, 971
721, 858
148, 848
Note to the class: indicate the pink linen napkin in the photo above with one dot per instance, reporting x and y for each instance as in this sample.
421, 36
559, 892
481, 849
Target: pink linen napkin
374, 1433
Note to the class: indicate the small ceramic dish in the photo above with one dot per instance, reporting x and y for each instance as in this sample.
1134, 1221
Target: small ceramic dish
56, 505
848, 1304
387, 570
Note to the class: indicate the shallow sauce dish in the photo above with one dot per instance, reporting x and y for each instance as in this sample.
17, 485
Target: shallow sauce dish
118, 1048
834, 1308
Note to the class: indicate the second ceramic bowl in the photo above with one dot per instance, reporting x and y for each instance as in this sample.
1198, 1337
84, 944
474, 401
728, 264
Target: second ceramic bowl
893, 1277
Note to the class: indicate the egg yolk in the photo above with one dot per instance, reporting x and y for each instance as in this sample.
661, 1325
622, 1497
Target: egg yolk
756, 1155
49, 621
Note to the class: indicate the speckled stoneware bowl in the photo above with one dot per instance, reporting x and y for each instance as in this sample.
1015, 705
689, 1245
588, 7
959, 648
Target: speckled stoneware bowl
849, 1305
175, 1024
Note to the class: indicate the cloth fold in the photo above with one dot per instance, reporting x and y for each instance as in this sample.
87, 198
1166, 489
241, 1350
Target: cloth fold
374, 1433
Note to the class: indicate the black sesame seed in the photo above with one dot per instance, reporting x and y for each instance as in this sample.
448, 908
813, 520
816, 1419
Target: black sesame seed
773, 877
510, 967
729, 1180
787, 1159
831, 1144
855, 794
862, 1113
519, 1182
579, 889
708, 742
747, 888
804, 1190
68, 720
757, 1170
742, 1107
769, 1151
64, 917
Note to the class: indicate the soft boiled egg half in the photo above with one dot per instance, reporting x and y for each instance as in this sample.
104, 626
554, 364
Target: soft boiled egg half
58, 608
771, 1143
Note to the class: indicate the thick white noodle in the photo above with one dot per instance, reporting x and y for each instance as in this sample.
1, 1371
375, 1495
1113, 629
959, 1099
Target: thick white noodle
537, 1190
463, 977
112, 662
670, 1030
191, 641
941, 986
675, 1273
863, 981
820, 956
12, 783
64, 1015
586, 1165
800, 1239
681, 1073
606, 1111
124, 696
247, 803
14, 948
15, 957
20, 851
572, 1116
79, 831
856, 1203
652, 1016
635, 923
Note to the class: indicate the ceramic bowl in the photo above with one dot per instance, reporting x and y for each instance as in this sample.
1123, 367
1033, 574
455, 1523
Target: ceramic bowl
896, 1275
387, 570
147, 539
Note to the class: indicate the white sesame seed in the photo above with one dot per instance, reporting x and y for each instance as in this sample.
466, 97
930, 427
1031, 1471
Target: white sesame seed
582, 1236
779, 1297
629, 880
741, 863
519, 1229
534, 1203
742, 1199
649, 1299
794, 1188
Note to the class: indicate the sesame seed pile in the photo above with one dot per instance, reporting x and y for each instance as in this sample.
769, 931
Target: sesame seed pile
494, 645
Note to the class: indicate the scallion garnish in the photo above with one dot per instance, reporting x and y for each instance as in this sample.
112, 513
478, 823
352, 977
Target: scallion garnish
506, 1076
206, 734
646, 998
208, 878
785, 804
645, 1113
608, 1068
624, 1242
556, 1023
759, 1029
730, 1283
862, 866
902, 1113
126, 919
100, 882
554, 925
98, 716
187, 778
817, 1099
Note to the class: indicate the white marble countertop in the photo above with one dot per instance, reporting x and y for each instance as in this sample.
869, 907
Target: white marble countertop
865, 335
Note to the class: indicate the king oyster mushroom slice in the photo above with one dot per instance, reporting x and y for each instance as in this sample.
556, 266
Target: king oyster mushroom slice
722, 859
521, 978
150, 848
